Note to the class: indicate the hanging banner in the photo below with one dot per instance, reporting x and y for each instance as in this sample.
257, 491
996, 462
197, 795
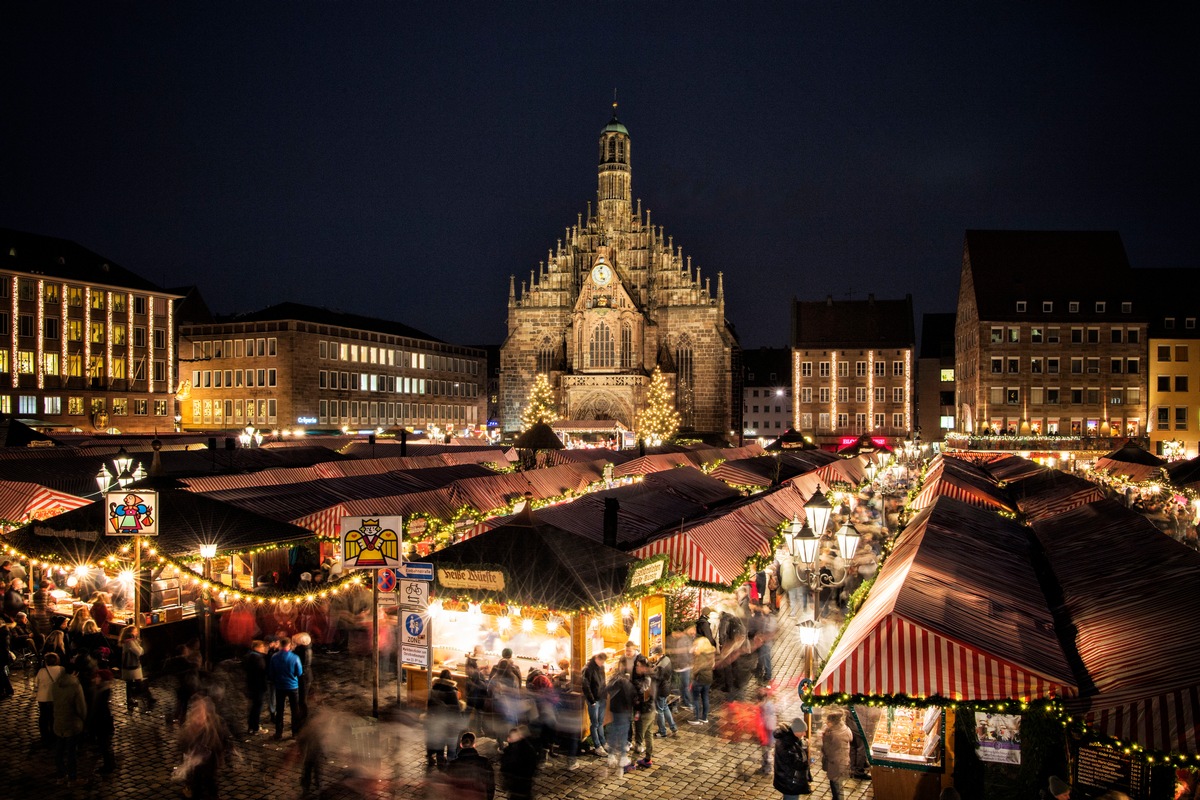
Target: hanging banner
371, 542
132, 512
999, 738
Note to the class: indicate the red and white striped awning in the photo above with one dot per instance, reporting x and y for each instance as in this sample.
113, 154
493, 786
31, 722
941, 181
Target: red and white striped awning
938, 621
21, 501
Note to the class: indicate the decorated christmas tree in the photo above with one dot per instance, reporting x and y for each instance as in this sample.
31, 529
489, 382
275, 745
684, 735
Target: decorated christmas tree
659, 420
541, 406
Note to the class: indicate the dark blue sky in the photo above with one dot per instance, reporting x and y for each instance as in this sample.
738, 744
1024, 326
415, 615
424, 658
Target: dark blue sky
402, 159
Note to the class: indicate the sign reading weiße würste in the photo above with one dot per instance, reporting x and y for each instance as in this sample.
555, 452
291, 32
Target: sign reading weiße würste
490, 580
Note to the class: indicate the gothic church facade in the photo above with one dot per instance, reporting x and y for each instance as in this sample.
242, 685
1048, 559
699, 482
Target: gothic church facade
611, 302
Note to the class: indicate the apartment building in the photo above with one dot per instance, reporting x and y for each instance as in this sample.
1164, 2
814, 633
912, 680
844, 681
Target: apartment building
1174, 358
766, 392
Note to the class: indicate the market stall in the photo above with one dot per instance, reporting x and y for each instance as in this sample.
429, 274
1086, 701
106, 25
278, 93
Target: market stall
956, 617
545, 593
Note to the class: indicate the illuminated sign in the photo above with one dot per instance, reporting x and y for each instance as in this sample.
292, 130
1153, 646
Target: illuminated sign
306, 420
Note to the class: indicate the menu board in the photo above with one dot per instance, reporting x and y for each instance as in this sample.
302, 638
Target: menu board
1099, 769
909, 736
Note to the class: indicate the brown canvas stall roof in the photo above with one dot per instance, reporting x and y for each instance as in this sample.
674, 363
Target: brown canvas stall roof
957, 611
1184, 473
961, 480
654, 463
1013, 468
543, 565
1132, 462
1130, 594
1052, 492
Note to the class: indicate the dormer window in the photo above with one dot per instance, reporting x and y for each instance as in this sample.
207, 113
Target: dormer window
1100, 306
1127, 307
1169, 323
1020, 306
1047, 306
1073, 307
1190, 323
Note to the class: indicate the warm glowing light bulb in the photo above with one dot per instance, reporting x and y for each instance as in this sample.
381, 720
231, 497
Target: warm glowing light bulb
72, 581
475, 609
626, 611
435, 609
82, 570
552, 626
527, 625
608, 619
503, 623
514, 610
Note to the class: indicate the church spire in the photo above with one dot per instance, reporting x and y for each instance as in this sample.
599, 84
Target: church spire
614, 194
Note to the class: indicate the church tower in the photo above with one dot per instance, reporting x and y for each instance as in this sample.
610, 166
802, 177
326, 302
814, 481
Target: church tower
614, 299
613, 194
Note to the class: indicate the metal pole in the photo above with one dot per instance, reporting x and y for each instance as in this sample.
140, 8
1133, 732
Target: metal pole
209, 610
137, 582
375, 646
808, 673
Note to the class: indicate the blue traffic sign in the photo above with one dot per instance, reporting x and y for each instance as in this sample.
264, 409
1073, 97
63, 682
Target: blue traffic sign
414, 625
416, 570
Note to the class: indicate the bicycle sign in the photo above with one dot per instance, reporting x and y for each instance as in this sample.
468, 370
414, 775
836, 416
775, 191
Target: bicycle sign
414, 594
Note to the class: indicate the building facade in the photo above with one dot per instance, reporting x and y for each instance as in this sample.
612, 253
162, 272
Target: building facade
1050, 336
935, 377
1174, 359
85, 344
766, 393
613, 300
293, 365
853, 364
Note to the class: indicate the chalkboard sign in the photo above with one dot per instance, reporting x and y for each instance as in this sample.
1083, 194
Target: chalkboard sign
1099, 769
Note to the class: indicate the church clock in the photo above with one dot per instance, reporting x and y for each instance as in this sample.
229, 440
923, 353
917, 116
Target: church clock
602, 274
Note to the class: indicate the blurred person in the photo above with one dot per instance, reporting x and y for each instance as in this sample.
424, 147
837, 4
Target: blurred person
645, 687
621, 705
835, 751
594, 695
130, 643
23, 637
203, 740
570, 715
93, 642
75, 628
1057, 789
664, 679
302, 647
254, 667
100, 720
766, 726
285, 669
443, 721
14, 598
703, 661
46, 676
679, 649
185, 666
518, 763
504, 686
792, 775
545, 701
6, 689
477, 686
102, 611
56, 642
70, 714
471, 776
628, 658
311, 742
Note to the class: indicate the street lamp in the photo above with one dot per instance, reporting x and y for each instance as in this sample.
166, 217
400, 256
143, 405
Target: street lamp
848, 538
104, 478
208, 552
818, 510
871, 471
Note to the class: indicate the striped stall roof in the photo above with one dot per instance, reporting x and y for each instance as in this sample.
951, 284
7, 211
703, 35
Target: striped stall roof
1013, 468
1130, 594
655, 463
844, 470
938, 621
1131, 462
20, 501
1052, 492
960, 480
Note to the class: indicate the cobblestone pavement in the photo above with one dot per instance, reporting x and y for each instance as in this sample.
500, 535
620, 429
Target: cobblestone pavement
385, 759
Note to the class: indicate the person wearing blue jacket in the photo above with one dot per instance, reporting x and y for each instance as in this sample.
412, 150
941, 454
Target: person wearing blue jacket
285, 670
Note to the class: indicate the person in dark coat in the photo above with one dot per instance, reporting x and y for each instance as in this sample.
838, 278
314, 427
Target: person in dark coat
621, 704
518, 763
254, 665
443, 721
704, 627
791, 760
594, 695
99, 723
470, 775
6, 689
302, 647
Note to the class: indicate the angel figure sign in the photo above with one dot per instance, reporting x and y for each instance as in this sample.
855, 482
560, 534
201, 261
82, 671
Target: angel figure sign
370, 542
132, 513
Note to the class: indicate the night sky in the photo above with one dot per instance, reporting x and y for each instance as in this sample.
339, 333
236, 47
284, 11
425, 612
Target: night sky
401, 160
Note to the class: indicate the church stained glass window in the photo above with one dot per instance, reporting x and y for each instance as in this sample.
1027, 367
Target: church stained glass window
601, 349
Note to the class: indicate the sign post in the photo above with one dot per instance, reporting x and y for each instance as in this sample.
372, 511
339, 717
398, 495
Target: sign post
133, 513
416, 636
372, 542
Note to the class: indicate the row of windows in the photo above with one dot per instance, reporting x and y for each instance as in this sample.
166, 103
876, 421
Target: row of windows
767, 409
860, 369
1073, 307
27, 290
1079, 366
235, 348
370, 354
232, 378
1076, 426
1163, 415
1164, 383
234, 412
843, 394
1053, 395
364, 382
772, 392
1039, 335
52, 405
1166, 351
754, 426
843, 421
52, 364
96, 333
354, 412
